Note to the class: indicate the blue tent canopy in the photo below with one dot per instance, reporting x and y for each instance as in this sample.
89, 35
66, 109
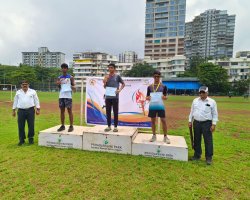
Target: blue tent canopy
182, 84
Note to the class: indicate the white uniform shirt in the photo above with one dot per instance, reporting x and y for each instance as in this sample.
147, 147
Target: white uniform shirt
26, 100
204, 110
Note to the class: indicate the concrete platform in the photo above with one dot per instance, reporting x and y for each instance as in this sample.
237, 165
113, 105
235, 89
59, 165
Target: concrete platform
64, 139
98, 140
177, 150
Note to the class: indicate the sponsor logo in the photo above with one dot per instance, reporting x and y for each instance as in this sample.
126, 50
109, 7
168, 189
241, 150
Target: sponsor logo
106, 142
59, 139
158, 150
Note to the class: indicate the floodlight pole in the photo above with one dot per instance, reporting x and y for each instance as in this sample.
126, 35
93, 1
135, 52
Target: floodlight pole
10, 92
81, 118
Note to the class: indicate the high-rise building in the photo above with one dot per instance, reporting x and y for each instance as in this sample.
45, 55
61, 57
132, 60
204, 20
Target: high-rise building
164, 28
43, 58
211, 34
128, 57
87, 64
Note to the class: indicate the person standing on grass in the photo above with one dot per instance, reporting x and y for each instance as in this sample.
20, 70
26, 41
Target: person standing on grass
203, 118
111, 84
66, 83
156, 93
27, 103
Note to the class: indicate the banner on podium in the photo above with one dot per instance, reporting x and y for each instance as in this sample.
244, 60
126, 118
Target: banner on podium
133, 107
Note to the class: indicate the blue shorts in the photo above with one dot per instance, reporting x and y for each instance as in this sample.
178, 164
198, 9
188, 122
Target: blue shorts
65, 103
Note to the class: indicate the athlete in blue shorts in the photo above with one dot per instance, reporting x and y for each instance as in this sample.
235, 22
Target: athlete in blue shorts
66, 83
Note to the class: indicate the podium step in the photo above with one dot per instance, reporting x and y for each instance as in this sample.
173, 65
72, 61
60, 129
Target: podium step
64, 139
120, 142
126, 141
177, 150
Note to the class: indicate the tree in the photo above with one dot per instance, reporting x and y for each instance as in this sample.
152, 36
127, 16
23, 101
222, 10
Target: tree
140, 70
5, 74
195, 62
193, 65
23, 73
39, 77
241, 87
214, 77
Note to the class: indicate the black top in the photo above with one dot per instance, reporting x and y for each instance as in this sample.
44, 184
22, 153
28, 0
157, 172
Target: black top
114, 81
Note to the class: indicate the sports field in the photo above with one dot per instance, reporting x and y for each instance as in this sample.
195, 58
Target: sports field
32, 172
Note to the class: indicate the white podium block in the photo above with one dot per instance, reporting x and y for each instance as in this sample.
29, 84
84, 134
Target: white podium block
64, 139
177, 150
120, 142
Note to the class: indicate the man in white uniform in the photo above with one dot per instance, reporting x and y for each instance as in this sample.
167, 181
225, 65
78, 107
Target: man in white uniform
26, 100
203, 118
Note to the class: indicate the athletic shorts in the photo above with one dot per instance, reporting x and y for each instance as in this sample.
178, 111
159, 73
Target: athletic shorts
65, 103
152, 113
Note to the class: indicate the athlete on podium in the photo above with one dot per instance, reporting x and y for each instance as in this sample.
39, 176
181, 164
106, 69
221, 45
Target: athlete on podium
156, 93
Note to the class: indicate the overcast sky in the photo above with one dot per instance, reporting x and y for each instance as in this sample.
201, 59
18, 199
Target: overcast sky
111, 26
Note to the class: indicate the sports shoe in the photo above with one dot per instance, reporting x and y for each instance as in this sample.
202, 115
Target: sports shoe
153, 139
166, 140
62, 128
107, 129
31, 141
194, 158
71, 128
20, 143
115, 129
209, 161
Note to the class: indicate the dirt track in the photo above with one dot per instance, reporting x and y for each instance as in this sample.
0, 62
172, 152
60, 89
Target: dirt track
177, 112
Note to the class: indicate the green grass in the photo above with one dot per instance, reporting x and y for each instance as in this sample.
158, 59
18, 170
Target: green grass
33, 172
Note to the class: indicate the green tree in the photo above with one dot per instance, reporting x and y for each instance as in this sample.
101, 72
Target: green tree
213, 76
195, 62
5, 74
193, 65
140, 70
241, 87
23, 73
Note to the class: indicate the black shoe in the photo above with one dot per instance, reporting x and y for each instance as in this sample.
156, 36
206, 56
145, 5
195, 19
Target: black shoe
62, 128
71, 128
194, 158
20, 143
31, 141
209, 161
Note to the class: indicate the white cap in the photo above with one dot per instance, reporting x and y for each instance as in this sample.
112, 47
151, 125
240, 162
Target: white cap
204, 89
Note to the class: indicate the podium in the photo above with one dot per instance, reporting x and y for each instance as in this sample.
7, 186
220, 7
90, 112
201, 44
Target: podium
176, 150
64, 139
126, 141
120, 142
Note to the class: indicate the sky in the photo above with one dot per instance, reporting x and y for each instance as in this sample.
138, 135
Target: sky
111, 26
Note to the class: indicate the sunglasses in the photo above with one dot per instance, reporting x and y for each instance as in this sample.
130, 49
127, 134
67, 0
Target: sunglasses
202, 92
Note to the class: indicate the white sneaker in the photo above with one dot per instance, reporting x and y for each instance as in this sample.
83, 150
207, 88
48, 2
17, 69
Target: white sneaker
107, 129
166, 140
153, 139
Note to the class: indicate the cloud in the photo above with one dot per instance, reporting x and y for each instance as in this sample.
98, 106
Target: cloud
111, 26
15, 26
